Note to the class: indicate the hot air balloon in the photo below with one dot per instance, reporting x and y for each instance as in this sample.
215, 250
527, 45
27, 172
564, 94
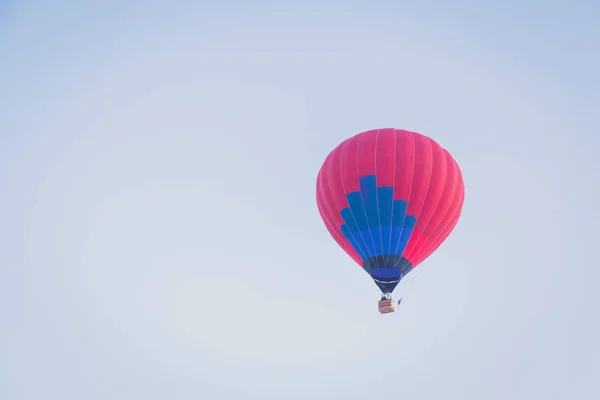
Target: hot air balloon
389, 198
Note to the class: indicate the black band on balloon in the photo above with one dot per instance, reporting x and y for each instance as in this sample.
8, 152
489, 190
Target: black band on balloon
387, 270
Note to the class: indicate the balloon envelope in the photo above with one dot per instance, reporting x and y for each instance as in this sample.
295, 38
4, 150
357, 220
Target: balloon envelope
389, 198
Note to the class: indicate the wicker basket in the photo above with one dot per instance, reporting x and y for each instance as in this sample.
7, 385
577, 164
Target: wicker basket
386, 306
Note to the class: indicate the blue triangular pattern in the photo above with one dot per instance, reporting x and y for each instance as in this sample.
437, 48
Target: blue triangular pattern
373, 227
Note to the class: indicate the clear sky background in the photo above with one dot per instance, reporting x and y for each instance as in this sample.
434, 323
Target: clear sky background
159, 235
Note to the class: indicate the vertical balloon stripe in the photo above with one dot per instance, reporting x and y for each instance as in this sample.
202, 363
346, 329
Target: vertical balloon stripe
435, 188
404, 163
349, 178
385, 171
366, 153
445, 228
348, 159
385, 154
452, 216
366, 167
441, 210
423, 162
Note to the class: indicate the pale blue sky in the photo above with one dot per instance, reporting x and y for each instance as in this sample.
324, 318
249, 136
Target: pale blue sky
159, 236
